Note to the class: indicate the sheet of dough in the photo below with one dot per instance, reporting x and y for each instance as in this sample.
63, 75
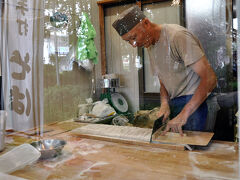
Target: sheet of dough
118, 132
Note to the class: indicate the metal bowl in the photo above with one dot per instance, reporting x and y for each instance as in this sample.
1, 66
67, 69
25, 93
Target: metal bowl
49, 148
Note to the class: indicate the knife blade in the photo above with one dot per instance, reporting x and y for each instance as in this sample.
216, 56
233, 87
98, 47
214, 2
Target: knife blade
158, 124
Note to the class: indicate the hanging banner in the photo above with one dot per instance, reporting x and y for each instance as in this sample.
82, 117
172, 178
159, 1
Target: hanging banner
22, 52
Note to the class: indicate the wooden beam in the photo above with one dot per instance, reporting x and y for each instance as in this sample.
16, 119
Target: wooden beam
112, 2
151, 1
102, 39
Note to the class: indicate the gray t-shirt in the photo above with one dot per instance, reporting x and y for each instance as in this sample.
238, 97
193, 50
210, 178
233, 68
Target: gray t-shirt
171, 59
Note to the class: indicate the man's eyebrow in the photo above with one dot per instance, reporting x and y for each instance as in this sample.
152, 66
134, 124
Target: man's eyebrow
128, 38
133, 36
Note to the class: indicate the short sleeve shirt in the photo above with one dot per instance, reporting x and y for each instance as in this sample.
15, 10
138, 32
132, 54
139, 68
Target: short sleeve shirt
171, 59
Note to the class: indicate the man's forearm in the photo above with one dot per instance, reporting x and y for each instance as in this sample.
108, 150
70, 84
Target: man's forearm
163, 94
198, 98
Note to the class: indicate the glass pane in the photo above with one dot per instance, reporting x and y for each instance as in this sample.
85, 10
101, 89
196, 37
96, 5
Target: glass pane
66, 84
51, 66
211, 22
122, 59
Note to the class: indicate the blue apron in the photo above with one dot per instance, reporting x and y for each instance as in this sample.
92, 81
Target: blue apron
197, 121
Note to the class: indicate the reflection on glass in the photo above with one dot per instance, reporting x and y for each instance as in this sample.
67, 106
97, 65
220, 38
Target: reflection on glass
138, 62
65, 84
159, 13
126, 62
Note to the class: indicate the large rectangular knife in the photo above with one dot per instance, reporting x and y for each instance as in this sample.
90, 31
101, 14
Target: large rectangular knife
157, 124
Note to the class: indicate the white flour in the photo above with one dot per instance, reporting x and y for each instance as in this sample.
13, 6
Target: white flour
53, 163
217, 146
89, 169
206, 173
84, 147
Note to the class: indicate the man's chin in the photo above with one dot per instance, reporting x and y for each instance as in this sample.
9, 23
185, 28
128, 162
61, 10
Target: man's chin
146, 45
143, 46
139, 45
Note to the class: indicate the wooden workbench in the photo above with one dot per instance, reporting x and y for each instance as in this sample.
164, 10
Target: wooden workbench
101, 160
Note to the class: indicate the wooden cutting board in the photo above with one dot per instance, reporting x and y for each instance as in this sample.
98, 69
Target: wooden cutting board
190, 138
135, 134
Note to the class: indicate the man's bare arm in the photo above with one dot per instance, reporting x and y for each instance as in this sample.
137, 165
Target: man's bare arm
164, 109
163, 93
207, 84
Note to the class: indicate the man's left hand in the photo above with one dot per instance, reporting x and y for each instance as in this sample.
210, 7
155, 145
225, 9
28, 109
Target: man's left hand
175, 125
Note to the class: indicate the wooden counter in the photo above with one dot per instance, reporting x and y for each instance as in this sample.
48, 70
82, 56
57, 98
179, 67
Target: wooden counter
101, 160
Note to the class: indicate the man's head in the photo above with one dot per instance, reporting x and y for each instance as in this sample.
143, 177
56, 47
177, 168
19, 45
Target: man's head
133, 26
128, 19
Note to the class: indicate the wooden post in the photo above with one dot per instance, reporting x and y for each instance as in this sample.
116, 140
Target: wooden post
102, 39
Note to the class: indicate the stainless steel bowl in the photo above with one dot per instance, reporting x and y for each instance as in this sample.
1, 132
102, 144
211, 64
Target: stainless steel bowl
49, 148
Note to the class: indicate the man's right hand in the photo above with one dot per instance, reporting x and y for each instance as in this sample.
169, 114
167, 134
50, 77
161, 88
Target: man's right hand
164, 111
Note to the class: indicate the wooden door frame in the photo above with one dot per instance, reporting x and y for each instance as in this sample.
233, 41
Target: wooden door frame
144, 97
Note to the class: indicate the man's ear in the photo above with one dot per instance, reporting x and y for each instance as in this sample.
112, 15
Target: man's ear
146, 23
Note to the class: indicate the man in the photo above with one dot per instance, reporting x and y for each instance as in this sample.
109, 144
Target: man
177, 58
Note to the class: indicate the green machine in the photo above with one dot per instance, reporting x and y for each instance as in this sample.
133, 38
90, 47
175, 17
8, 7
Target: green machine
115, 99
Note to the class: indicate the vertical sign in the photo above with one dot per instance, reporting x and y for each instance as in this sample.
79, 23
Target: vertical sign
23, 27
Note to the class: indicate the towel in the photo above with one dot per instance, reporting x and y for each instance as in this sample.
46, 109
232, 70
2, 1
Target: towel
86, 33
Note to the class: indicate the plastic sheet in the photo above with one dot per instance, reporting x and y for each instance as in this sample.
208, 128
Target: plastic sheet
18, 158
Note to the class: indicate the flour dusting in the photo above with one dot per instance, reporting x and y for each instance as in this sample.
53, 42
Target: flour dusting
89, 169
9, 140
217, 146
84, 147
84, 153
59, 160
206, 173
